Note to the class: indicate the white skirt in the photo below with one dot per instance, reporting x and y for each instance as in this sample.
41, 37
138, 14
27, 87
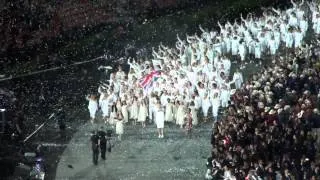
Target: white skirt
125, 114
194, 116
142, 115
92, 111
169, 113
134, 111
215, 109
119, 127
112, 119
160, 120
180, 116
105, 110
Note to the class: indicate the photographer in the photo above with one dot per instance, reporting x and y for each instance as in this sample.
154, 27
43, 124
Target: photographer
95, 147
103, 143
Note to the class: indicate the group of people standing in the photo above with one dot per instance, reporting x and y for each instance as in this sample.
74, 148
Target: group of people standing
188, 80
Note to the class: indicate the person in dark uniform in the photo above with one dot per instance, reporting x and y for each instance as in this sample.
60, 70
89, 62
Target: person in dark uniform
18, 129
109, 134
103, 143
95, 147
60, 121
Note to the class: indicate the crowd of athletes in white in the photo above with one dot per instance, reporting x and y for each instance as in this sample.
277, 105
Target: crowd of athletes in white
195, 74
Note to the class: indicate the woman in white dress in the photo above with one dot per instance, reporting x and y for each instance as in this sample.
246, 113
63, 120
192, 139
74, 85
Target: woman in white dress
257, 50
234, 45
289, 40
169, 111
134, 110
298, 37
113, 115
194, 113
180, 114
205, 107
238, 79
175, 110
118, 105
143, 113
104, 105
93, 106
197, 101
124, 111
224, 96
272, 47
227, 42
303, 25
316, 24
242, 50
215, 101
119, 125
131, 74
159, 117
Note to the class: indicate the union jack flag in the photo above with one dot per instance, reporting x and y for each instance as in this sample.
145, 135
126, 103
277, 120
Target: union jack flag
147, 81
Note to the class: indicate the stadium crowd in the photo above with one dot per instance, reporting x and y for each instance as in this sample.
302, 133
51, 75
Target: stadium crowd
271, 128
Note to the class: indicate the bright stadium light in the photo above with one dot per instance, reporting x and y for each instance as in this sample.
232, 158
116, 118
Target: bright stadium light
2, 110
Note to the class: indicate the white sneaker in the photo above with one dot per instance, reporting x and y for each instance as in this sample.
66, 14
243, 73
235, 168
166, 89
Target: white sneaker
159, 136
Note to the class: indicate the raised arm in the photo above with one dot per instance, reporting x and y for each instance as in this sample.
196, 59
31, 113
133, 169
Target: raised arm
276, 11
161, 67
100, 90
128, 62
142, 70
242, 19
189, 39
220, 26
156, 55
134, 66
301, 4
197, 37
179, 45
201, 29
265, 14
311, 6
293, 4
229, 24
235, 23
231, 82
162, 46
179, 38
245, 21
105, 85
161, 50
